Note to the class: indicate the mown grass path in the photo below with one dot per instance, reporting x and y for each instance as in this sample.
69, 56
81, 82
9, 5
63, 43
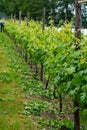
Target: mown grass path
12, 97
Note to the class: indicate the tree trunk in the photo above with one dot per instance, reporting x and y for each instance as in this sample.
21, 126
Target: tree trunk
76, 115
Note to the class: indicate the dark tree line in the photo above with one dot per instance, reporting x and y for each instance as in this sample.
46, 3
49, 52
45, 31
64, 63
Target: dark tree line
59, 10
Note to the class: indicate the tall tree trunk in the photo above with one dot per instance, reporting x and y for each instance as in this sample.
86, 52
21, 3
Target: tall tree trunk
76, 115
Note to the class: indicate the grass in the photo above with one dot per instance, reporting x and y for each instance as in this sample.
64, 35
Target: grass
11, 96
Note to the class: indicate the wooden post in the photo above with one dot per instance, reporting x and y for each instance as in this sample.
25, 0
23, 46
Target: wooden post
36, 69
43, 28
76, 115
43, 23
78, 36
19, 17
27, 19
41, 73
65, 11
60, 102
11, 16
47, 82
77, 21
52, 17
54, 92
14, 18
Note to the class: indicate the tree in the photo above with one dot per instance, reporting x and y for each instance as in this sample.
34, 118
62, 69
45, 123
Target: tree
9, 7
58, 10
84, 15
35, 8
65, 10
